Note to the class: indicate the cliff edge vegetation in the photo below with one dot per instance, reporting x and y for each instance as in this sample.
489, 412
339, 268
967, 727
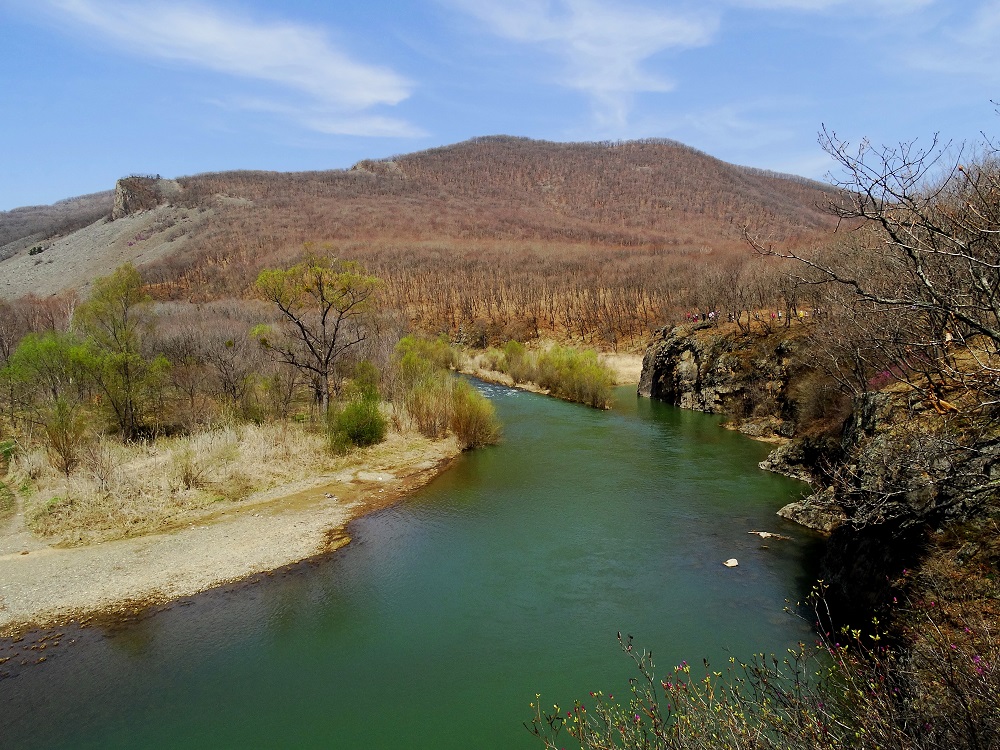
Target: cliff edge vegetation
883, 390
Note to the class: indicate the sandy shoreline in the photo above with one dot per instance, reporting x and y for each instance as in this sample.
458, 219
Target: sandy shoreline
47, 586
44, 586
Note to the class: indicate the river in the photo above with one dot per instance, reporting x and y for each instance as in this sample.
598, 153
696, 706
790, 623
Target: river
508, 575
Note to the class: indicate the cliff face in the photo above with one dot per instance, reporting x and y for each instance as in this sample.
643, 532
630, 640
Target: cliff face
719, 371
890, 460
885, 472
134, 194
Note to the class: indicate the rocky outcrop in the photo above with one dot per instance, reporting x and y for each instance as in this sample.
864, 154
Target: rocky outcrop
719, 371
908, 466
819, 511
134, 194
895, 463
379, 167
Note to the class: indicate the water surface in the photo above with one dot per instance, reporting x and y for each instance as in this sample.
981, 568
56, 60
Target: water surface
508, 575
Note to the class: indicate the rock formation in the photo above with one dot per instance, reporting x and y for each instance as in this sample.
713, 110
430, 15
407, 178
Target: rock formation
134, 194
885, 473
705, 368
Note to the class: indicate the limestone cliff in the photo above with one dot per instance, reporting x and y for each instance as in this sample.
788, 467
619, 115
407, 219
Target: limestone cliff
134, 194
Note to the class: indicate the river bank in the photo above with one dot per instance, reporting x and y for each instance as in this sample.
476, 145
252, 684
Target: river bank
47, 585
627, 369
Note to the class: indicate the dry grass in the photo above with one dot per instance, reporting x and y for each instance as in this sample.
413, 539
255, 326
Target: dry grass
8, 501
128, 490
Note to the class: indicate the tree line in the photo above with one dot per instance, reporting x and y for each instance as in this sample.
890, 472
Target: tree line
315, 343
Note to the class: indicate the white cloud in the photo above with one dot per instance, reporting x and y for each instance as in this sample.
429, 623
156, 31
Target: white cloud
330, 122
969, 48
601, 44
293, 57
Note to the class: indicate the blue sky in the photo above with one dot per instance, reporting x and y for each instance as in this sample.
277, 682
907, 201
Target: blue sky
92, 90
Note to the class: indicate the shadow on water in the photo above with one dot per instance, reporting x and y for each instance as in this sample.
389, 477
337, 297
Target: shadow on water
508, 575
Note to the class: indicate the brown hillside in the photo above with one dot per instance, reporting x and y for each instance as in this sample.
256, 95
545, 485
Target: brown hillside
622, 195
497, 236
40, 223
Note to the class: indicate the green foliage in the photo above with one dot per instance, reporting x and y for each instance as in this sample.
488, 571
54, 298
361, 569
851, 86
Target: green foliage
567, 372
113, 320
65, 426
576, 375
517, 363
436, 352
48, 372
359, 423
323, 303
46, 366
438, 401
428, 401
366, 378
473, 418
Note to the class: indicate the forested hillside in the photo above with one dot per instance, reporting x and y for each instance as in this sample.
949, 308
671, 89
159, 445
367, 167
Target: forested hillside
490, 239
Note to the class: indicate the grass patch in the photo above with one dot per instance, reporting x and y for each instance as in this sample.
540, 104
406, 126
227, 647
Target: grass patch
122, 490
8, 500
565, 371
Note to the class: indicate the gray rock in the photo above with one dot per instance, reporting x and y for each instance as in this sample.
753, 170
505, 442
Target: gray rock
819, 511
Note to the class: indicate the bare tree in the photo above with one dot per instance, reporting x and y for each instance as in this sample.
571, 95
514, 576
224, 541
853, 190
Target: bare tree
923, 263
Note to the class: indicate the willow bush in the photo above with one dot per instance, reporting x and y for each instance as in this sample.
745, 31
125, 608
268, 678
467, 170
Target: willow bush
473, 418
567, 372
359, 423
438, 401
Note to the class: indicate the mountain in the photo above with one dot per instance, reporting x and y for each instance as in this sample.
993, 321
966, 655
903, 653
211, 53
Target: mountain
634, 212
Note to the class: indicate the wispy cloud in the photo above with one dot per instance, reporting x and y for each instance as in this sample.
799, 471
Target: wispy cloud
853, 6
602, 45
329, 85
964, 44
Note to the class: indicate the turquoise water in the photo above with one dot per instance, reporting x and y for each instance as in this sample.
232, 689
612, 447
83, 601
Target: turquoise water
508, 575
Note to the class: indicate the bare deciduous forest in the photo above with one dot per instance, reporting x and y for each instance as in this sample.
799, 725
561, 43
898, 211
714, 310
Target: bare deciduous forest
501, 238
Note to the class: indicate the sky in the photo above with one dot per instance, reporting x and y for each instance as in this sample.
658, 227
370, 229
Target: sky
95, 90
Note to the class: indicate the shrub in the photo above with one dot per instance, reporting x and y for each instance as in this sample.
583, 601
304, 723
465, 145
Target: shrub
360, 423
473, 418
438, 352
428, 402
436, 400
65, 427
572, 374
516, 362
576, 375
366, 378
820, 406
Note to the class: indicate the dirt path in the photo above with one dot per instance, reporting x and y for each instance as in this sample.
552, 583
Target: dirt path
45, 586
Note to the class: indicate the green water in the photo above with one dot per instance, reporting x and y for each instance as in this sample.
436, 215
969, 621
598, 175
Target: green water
508, 575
